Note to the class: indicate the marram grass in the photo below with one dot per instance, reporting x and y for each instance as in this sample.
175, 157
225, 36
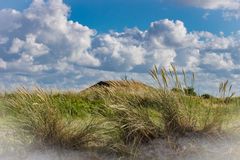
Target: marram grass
120, 117
35, 114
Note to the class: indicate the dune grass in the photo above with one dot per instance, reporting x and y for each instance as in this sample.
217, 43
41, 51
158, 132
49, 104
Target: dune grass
119, 118
36, 114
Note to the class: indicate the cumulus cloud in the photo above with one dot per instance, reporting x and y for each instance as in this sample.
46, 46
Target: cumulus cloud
219, 61
138, 50
40, 45
11, 20
163, 43
44, 31
118, 51
28, 47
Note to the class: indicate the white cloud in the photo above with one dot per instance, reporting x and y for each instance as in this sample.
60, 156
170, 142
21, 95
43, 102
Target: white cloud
64, 37
26, 64
3, 64
84, 58
17, 44
139, 50
206, 15
40, 45
29, 46
229, 15
43, 30
11, 19
166, 32
219, 61
118, 51
230, 7
214, 4
3, 40
189, 59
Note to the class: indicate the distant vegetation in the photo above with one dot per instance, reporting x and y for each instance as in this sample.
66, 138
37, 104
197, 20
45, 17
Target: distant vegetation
120, 116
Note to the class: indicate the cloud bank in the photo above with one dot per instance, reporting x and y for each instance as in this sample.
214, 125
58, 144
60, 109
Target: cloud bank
42, 46
231, 8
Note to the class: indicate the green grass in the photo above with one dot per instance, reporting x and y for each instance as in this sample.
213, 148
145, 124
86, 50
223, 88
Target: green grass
119, 118
116, 120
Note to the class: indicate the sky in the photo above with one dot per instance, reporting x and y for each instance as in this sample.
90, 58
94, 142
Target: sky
71, 44
105, 15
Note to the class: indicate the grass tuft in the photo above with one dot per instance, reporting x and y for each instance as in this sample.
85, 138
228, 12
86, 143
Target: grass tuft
35, 114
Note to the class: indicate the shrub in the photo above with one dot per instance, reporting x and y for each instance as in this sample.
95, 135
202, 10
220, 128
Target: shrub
190, 91
206, 96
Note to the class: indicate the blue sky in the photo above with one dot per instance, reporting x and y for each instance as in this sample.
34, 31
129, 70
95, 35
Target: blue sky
105, 15
69, 44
